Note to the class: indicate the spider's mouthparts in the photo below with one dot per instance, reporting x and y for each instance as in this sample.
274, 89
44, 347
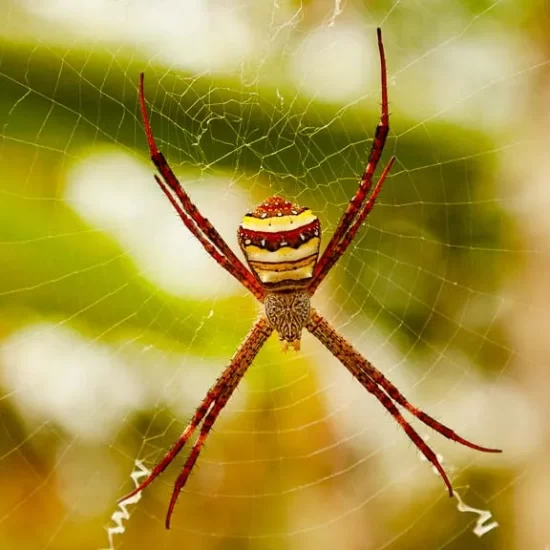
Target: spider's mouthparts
290, 345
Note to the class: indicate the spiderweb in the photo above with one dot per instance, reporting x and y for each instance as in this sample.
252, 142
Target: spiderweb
114, 322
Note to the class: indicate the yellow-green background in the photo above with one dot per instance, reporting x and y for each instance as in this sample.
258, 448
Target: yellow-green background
449, 271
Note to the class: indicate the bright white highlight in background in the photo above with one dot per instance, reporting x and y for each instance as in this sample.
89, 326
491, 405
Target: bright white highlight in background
334, 63
59, 375
116, 193
194, 34
90, 390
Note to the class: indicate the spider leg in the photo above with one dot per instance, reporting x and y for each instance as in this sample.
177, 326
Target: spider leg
199, 226
176, 448
371, 378
195, 451
399, 398
218, 393
208, 246
333, 251
348, 237
422, 446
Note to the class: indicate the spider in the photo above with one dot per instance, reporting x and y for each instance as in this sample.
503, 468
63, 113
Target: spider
280, 241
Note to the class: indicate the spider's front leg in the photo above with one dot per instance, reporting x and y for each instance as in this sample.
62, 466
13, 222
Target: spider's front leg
357, 210
201, 228
379, 386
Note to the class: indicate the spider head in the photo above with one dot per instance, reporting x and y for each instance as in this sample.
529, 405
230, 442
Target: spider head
281, 243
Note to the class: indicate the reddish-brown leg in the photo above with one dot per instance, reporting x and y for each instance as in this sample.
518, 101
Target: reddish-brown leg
342, 246
199, 226
208, 246
371, 378
354, 206
212, 404
399, 398
194, 455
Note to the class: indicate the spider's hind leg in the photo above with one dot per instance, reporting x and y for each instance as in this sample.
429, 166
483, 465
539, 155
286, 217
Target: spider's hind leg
378, 385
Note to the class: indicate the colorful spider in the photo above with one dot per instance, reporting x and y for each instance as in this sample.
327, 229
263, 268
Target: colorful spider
280, 241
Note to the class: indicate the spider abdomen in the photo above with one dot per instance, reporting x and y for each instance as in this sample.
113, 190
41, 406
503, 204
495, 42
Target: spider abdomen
281, 243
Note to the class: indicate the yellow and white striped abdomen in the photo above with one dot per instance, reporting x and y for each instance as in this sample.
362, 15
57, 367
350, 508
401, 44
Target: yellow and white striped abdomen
281, 243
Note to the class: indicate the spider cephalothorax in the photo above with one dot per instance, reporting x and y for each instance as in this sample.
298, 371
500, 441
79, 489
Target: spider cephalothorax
288, 313
280, 241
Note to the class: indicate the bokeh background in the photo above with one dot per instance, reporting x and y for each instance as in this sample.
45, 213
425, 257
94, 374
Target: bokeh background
114, 322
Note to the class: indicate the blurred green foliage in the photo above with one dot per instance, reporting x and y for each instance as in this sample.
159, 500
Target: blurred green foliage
433, 208
430, 250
